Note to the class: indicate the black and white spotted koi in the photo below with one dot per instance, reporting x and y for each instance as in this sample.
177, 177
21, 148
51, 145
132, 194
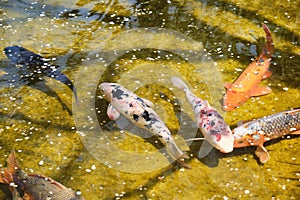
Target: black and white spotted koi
139, 112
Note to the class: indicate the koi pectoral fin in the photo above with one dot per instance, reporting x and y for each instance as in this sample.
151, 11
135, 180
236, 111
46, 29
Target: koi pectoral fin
112, 113
122, 122
205, 149
262, 153
267, 74
227, 85
260, 90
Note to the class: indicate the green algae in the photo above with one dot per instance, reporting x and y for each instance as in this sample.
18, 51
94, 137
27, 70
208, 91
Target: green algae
39, 129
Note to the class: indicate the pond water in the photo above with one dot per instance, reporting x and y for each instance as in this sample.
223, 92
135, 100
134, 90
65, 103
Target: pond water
141, 44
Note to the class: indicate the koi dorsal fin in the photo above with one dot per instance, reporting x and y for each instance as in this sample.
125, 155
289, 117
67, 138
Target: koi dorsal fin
57, 184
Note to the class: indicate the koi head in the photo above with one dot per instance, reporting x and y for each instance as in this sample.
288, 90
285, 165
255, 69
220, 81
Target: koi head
223, 141
113, 91
217, 132
244, 136
255, 139
106, 89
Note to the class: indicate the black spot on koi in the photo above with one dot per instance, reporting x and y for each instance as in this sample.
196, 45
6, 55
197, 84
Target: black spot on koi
119, 94
212, 123
135, 117
152, 120
240, 141
146, 115
197, 104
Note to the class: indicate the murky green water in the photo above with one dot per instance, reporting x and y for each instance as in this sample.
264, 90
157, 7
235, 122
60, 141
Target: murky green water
93, 41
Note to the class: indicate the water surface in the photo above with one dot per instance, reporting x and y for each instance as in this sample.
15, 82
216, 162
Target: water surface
141, 44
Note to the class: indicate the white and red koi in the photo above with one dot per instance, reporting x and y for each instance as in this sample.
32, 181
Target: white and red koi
256, 132
139, 112
210, 122
246, 85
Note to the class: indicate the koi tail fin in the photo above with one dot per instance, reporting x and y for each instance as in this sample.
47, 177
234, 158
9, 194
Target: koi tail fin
174, 150
63, 79
177, 82
177, 154
268, 33
12, 162
269, 46
183, 163
6, 176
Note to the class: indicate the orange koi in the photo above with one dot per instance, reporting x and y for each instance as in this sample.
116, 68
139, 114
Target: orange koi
246, 85
256, 132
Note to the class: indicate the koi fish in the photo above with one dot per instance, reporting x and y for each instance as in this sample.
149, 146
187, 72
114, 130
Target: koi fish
212, 125
139, 112
256, 132
246, 85
32, 186
32, 67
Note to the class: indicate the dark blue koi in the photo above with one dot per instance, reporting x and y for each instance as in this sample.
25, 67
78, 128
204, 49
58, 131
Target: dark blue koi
35, 67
